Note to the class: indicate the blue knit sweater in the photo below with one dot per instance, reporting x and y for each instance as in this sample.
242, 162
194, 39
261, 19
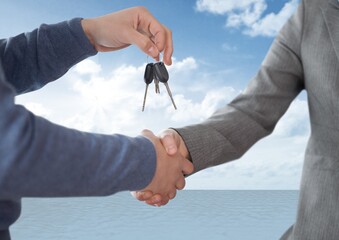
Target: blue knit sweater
42, 159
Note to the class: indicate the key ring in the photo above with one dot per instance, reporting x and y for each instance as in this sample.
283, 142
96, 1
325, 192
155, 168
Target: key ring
157, 72
161, 57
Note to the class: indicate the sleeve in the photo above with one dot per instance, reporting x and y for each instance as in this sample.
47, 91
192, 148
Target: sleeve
31, 60
42, 159
232, 130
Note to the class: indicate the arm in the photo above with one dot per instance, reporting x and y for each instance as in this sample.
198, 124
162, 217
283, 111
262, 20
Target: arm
31, 60
254, 113
40, 158
232, 130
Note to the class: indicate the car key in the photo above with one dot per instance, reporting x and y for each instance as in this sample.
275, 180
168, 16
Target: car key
161, 75
156, 82
148, 78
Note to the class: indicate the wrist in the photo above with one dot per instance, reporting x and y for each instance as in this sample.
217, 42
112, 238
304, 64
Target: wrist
183, 150
182, 146
87, 26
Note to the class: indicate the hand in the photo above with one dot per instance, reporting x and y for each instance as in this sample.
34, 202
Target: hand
169, 174
130, 26
173, 143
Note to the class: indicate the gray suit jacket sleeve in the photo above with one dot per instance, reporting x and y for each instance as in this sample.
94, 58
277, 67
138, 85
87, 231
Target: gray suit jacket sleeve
232, 130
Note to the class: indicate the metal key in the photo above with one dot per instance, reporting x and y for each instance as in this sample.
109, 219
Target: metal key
148, 78
156, 82
161, 75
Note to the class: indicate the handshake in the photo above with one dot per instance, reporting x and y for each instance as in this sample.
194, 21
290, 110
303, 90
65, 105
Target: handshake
173, 162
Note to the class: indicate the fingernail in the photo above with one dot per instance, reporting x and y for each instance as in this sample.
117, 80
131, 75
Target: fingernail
153, 52
140, 196
168, 149
167, 61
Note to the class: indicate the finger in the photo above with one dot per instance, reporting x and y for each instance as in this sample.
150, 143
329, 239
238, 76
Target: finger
156, 199
180, 184
172, 195
187, 167
144, 43
169, 141
164, 201
169, 144
143, 195
153, 205
162, 37
134, 194
168, 50
157, 32
148, 133
152, 30
159, 38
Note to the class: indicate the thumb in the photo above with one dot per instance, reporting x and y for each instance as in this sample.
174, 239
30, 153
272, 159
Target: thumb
170, 141
187, 167
142, 195
145, 44
148, 134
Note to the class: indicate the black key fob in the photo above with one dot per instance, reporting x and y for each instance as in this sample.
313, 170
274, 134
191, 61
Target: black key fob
149, 75
160, 72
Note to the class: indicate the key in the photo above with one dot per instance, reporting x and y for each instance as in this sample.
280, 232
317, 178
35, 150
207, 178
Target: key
156, 82
161, 75
148, 78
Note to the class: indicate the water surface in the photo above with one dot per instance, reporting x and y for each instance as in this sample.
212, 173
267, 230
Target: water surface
213, 215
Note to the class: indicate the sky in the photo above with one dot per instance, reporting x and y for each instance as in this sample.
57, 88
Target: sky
218, 48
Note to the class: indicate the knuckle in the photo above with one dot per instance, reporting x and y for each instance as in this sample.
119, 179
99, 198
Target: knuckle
169, 32
172, 195
141, 9
146, 44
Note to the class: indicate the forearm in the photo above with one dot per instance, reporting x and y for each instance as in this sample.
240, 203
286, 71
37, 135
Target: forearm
55, 161
39, 158
31, 60
224, 137
232, 130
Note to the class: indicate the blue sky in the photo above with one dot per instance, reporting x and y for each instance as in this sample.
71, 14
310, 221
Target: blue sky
218, 47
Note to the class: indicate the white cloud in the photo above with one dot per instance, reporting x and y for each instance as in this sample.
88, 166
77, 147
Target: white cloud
186, 64
224, 7
197, 111
38, 109
228, 48
248, 15
272, 23
111, 103
295, 122
87, 66
273, 163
